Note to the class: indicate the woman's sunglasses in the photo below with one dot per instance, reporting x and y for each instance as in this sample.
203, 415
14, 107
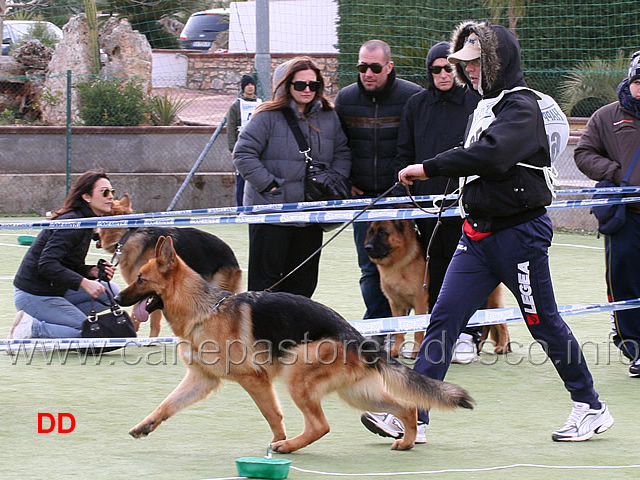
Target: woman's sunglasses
299, 86
438, 68
375, 67
107, 191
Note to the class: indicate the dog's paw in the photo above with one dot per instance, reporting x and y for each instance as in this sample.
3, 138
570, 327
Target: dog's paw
402, 444
142, 430
502, 349
283, 446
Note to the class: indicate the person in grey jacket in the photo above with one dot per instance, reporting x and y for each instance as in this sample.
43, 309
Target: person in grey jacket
269, 159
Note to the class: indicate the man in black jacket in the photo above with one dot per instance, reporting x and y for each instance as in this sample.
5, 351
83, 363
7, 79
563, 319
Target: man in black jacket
370, 111
507, 230
433, 121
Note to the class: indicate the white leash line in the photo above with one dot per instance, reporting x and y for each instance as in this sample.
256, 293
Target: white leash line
471, 470
454, 470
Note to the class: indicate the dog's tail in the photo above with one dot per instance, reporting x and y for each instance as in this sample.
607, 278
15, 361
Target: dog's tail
425, 392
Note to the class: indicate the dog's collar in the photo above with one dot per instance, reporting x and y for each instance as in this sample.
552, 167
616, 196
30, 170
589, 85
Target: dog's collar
118, 253
219, 302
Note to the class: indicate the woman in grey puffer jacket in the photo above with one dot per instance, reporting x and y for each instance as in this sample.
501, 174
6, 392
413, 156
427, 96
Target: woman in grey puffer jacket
269, 159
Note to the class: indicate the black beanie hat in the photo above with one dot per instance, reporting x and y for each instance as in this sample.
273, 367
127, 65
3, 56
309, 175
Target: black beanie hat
246, 80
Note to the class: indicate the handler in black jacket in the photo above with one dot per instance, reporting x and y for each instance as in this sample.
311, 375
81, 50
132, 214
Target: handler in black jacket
507, 231
54, 286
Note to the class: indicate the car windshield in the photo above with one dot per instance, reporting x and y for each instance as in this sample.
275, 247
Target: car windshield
22, 28
206, 23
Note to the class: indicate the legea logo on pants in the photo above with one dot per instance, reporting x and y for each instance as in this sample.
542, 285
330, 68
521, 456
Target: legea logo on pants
526, 294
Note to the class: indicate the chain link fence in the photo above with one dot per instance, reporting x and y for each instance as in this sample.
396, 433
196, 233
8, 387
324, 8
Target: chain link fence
195, 90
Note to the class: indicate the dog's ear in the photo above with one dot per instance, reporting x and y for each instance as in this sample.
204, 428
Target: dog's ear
165, 253
159, 244
125, 201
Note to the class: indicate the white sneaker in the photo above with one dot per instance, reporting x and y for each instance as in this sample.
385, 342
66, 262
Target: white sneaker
465, 350
421, 436
21, 327
387, 425
583, 422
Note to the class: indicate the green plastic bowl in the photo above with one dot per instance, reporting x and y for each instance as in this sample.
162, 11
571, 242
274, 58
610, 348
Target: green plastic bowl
261, 467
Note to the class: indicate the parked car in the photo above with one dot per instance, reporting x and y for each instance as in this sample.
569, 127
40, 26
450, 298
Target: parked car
16, 30
202, 28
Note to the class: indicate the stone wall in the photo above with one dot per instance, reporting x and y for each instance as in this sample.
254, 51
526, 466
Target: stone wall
221, 72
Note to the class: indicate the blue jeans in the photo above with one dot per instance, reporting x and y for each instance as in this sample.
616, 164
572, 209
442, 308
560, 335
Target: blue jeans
59, 317
375, 301
517, 257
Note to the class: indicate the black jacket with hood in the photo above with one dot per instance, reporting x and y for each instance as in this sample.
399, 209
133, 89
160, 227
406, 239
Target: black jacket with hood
434, 121
505, 194
371, 121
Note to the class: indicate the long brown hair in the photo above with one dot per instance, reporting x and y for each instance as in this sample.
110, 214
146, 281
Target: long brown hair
282, 94
84, 184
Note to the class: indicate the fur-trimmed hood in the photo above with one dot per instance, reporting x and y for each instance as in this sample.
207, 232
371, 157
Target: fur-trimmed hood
500, 56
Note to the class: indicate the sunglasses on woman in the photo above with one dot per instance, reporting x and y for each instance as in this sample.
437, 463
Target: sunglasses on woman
438, 68
107, 191
299, 86
375, 67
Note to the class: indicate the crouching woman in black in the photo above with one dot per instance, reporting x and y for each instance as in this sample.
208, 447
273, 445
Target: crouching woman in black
54, 287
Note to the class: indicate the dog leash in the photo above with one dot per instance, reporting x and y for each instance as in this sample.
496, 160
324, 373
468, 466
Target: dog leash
340, 230
439, 212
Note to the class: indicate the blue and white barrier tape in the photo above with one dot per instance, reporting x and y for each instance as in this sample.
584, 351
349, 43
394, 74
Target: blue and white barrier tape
411, 323
269, 213
337, 216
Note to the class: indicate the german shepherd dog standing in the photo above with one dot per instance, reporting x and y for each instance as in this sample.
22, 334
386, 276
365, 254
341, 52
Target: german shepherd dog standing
254, 337
205, 253
395, 248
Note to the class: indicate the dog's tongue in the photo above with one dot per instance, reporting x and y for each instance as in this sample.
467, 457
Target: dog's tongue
140, 312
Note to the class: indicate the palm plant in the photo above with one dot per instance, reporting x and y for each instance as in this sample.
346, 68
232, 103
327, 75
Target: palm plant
165, 109
595, 81
514, 9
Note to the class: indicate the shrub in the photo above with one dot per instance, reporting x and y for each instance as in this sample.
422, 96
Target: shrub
112, 103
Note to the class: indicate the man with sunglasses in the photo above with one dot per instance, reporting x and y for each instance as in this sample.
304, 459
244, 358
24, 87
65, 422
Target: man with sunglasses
433, 121
370, 111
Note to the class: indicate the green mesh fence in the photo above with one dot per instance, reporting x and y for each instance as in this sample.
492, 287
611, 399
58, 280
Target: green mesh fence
575, 51
556, 37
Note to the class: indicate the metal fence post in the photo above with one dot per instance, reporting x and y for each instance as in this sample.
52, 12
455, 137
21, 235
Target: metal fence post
262, 59
68, 131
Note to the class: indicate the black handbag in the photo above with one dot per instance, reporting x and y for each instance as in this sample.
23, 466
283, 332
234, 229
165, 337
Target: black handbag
116, 323
611, 218
321, 182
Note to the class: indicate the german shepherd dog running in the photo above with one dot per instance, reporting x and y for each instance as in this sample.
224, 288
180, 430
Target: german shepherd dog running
254, 337
395, 248
205, 253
